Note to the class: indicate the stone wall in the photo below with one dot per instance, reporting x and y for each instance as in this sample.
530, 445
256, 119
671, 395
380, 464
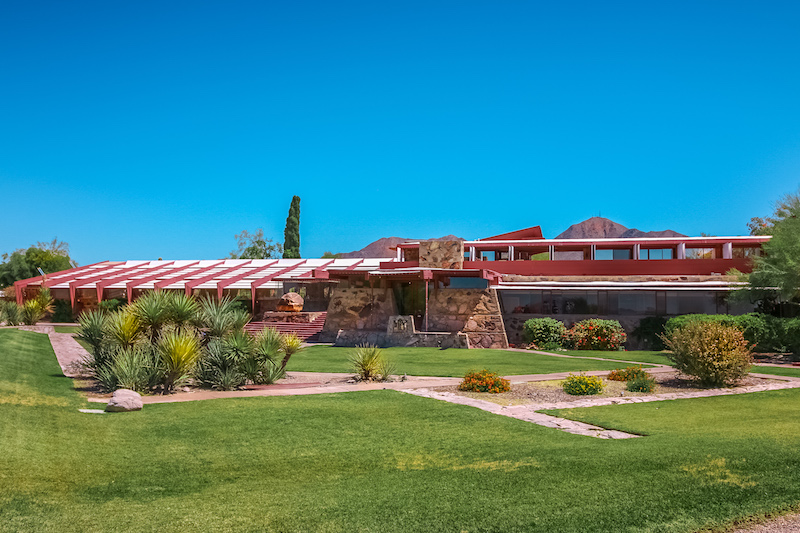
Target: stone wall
441, 254
475, 312
359, 309
513, 324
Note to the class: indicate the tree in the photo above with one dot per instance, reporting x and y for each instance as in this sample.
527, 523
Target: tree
22, 264
291, 235
255, 246
779, 267
331, 255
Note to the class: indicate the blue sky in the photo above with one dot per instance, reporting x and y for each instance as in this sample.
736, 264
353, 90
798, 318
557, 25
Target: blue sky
137, 130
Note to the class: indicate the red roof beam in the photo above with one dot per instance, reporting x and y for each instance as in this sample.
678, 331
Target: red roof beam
158, 285
199, 281
106, 282
141, 281
316, 273
74, 284
20, 285
258, 282
230, 281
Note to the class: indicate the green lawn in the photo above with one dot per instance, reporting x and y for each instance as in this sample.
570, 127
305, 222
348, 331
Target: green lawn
452, 362
777, 371
379, 461
66, 329
641, 356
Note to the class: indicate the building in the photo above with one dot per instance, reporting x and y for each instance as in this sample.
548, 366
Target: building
452, 293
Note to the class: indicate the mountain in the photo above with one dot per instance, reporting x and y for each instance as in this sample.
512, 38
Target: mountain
383, 247
603, 228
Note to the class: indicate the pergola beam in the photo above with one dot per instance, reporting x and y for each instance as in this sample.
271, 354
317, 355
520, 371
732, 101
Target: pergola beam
107, 282
158, 285
199, 281
260, 281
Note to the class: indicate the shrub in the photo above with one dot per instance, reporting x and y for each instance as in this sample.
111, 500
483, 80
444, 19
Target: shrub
713, 353
366, 361
544, 332
62, 311
581, 385
649, 331
11, 314
179, 351
110, 306
218, 368
31, 313
484, 381
291, 344
629, 373
151, 311
134, 368
124, 329
641, 384
597, 334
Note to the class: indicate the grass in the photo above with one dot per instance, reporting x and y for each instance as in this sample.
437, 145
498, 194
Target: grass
777, 370
640, 356
66, 329
452, 362
379, 461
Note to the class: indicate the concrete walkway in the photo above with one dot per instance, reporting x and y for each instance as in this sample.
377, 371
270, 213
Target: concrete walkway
69, 353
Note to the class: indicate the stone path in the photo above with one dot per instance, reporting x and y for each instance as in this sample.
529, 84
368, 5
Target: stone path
68, 352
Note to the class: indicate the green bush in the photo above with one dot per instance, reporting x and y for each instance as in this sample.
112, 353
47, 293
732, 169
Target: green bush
179, 351
582, 385
596, 334
484, 381
544, 332
10, 313
649, 331
629, 373
641, 384
766, 333
62, 311
366, 361
714, 354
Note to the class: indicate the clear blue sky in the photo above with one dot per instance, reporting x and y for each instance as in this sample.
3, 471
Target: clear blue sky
137, 130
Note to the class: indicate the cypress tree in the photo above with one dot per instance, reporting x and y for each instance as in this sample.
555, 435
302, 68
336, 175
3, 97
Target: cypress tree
291, 235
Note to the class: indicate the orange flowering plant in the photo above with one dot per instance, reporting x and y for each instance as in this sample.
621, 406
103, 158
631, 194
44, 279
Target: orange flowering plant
484, 381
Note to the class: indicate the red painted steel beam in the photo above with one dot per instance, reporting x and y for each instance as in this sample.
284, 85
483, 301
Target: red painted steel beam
199, 281
106, 282
158, 285
313, 273
258, 282
81, 271
140, 281
74, 284
52, 278
230, 281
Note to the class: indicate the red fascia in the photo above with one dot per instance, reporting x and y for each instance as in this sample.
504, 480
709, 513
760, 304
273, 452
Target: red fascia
158, 285
629, 267
225, 282
532, 233
105, 283
316, 273
140, 281
199, 281
74, 284
70, 273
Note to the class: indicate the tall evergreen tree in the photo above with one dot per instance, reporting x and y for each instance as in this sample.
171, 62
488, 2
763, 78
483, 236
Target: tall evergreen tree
291, 235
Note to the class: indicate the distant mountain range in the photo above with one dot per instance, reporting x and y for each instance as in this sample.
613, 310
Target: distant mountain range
592, 228
603, 228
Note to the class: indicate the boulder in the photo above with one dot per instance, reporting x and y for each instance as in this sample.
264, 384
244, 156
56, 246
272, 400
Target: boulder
291, 301
124, 400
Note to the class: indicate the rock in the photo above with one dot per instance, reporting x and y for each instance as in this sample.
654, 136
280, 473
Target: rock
124, 400
291, 301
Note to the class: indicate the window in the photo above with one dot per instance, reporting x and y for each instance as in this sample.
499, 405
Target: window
655, 253
612, 254
746, 253
568, 256
700, 253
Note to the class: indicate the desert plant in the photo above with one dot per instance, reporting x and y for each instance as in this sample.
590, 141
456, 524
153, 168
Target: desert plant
152, 312
123, 329
366, 361
290, 344
179, 351
62, 311
44, 300
133, 368
217, 368
641, 384
269, 355
544, 332
581, 385
217, 316
92, 329
627, 374
712, 353
31, 312
182, 311
239, 318
596, 334
111, 305
386, 369
484, 381
11, 314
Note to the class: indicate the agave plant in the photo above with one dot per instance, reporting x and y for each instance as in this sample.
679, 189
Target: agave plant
124, 329
152, 311
179, 351
182, 311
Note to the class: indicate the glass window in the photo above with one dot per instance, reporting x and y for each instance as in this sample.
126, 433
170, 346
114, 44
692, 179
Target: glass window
637, 303
700, 253
568, 256
746, 253
655, 253
612, 254
468, 283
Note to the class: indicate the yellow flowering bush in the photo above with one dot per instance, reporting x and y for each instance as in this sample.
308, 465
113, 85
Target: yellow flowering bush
583, 385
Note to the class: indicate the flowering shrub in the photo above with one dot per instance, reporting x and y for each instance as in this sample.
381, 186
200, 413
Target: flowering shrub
544, 332
714, 354
631, 372
581, 385
597, 334
484, 381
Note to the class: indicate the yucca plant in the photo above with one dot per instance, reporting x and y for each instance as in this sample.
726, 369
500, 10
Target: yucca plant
240, 318
133, 368
216, 317
32, 312
183, 311
179, 351
152, 311
124, 329
239, 345
44, 300
291, 344
92, 328
366, 361
269, 344
217, 367
11, 313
